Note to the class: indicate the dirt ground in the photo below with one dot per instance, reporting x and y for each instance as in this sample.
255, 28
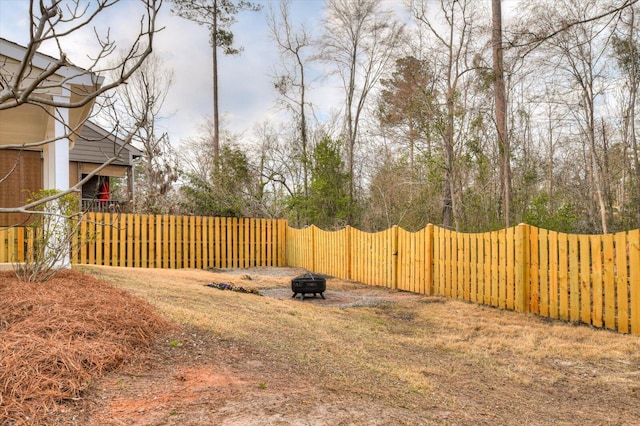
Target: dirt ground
192, 376
207, 381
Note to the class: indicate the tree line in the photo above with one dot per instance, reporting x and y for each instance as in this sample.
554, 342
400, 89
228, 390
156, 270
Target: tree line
422, 135
472, 115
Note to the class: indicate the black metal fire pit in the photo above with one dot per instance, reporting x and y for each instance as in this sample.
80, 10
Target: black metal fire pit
308, 283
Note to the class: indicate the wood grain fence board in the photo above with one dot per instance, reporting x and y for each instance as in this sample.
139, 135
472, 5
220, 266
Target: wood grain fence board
436, 257
456, 266
179, 241
122, 239
244, 248
473, 267
93, 230
487, 268
25, 238
188, 247
233, 248
534, 272
5, 242
263, 239
596, 280
553, 275
634, 280
495, 270
574, 279
465, 267
609, 287
563, 276
137, 240
10, 249
404, 259
427, 279
108, 238
585, 278
129, 232
217, 238
84, 238
166, 261
224, 244
509, 270
544, 272
379, 249
622, 281
418, 276
254, 240
151, 241
522, 268
480, 268
444, 263
372, 261
502, 268
196, 245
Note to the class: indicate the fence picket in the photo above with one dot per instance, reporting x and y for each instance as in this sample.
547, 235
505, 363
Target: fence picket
622, 280
596, 280
634, 280
609, 283
563, 276
574, 279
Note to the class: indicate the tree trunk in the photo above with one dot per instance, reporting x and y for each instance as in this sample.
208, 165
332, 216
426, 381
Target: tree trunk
216, 123
631, 116
500, 105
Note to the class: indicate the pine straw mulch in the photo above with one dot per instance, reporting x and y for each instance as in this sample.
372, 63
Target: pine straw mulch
58, 337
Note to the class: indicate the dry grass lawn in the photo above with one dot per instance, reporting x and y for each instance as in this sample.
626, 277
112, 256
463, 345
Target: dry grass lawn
418, 360
392, 358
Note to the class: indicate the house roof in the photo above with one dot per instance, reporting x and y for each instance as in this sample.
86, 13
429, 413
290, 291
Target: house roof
72, 73
30, 123
96, 144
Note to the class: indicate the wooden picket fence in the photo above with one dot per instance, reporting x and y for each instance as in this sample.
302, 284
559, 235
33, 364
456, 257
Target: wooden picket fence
163, 241
594, 279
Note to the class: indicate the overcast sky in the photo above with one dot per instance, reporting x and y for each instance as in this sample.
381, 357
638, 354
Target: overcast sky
246, 91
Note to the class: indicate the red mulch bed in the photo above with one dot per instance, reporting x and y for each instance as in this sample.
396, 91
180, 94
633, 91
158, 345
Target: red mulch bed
58, 337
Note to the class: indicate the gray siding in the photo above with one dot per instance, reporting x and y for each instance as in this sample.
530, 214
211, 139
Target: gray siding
96, 147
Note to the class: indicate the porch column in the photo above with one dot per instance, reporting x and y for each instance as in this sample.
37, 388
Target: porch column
56, 154
56, 176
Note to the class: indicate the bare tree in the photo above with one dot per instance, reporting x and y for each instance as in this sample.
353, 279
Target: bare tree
292, 83
137, 108
218, 16
626, 46
360, 41
451, 48
501, 110
579, 55
57, 88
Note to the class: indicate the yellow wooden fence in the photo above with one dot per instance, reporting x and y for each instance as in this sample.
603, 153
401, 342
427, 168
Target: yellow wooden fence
13, 242
163, 241
594, 279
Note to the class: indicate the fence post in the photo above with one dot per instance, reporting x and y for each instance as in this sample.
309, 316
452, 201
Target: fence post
348, 249
634, 280
428, 261
394, 257
313, 249
522, 268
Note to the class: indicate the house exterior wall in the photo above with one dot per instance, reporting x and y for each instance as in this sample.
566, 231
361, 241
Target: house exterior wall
92, 147
22, 175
